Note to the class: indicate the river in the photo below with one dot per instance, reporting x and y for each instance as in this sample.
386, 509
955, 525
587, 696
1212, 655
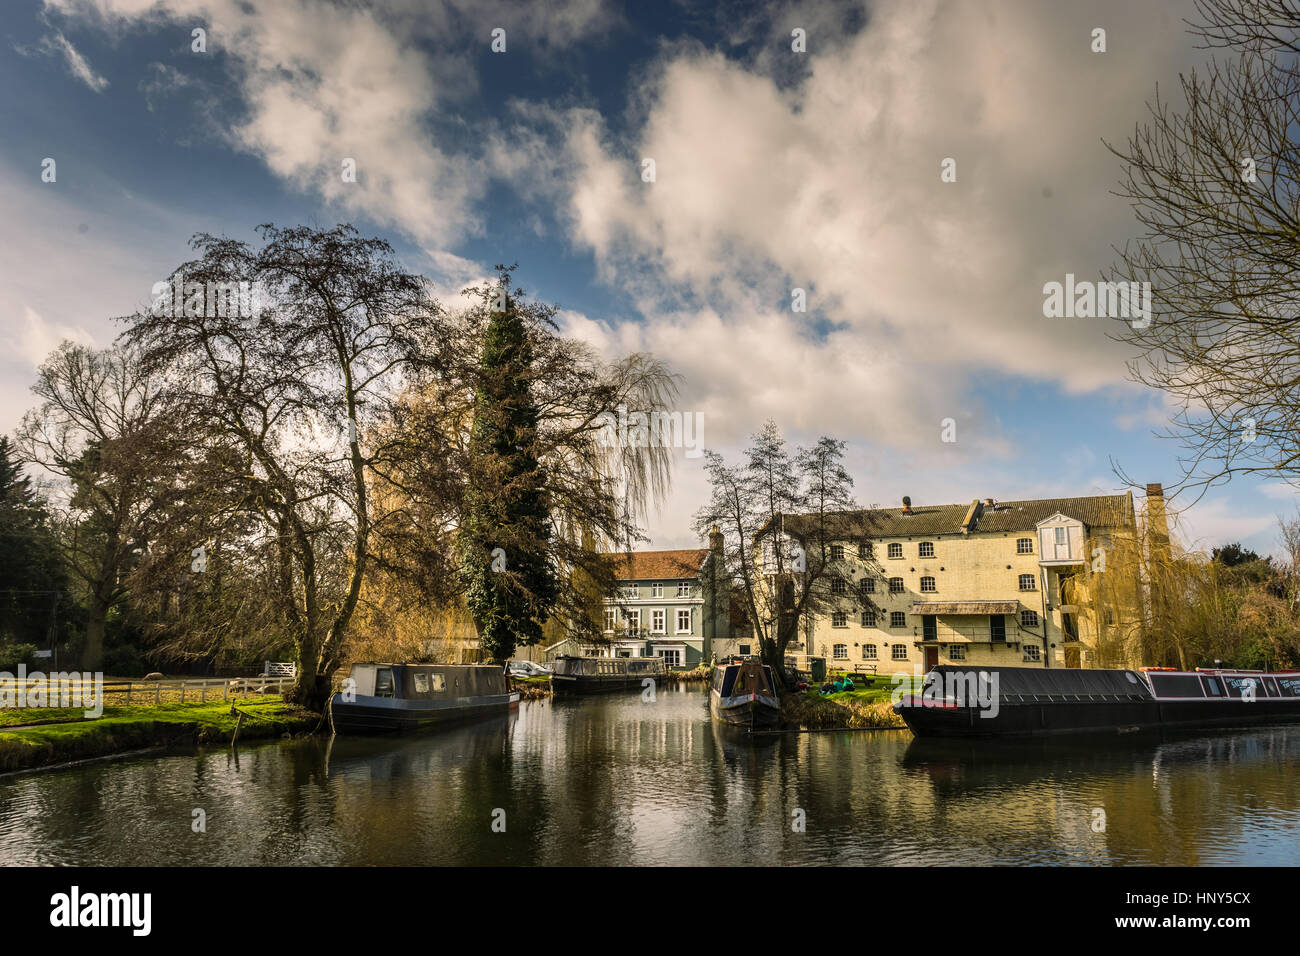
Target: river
616, 780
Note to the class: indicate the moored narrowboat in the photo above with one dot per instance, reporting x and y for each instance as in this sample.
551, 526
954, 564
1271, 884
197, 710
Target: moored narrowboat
1030, 701
387, 698
595, 675
743, 694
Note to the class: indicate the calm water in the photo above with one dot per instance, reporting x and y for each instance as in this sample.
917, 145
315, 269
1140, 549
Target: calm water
614, 780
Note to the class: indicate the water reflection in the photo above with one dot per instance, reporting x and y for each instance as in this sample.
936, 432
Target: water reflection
618, 781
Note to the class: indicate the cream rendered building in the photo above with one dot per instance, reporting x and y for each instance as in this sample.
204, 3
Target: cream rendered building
1009, 583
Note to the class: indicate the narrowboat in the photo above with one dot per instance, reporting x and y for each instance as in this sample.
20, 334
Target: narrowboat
1030, 701
595, 675
743, 694
388, 698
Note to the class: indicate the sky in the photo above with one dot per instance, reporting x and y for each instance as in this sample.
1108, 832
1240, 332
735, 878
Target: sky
774, 170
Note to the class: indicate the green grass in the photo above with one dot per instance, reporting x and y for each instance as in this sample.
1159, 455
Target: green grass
60, 739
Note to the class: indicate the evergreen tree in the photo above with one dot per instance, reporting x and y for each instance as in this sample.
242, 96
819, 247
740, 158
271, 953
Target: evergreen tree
32, 579
511, 585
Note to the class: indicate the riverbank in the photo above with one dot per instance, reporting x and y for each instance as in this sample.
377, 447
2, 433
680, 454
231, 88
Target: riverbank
38, 738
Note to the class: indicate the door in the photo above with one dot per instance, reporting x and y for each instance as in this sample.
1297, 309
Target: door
931, 658
1071, 655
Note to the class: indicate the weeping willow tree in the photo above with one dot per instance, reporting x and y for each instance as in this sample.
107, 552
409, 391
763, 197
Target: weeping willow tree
448, 534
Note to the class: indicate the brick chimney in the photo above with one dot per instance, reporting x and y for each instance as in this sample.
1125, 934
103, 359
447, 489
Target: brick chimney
1157, 518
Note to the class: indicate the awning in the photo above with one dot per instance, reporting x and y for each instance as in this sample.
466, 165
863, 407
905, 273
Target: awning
966, 607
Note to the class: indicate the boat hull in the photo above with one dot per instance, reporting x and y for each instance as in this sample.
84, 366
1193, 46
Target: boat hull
563, 685
387, 715
1092, 717
745, 710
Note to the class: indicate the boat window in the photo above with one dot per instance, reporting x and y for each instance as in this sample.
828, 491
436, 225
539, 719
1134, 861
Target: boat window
1271, 684
439, 682
1289, 686
1177, 685
1212, 687
728, 681
384, 682
421, 681
1237, 686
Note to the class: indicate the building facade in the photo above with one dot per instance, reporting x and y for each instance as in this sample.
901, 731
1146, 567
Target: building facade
669, 604
985, 583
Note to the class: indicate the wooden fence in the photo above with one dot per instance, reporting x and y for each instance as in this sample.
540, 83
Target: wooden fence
197, 691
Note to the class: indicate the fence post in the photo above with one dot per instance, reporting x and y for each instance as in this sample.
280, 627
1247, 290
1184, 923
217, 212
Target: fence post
204, 698
182, 692
157, 693
128, 693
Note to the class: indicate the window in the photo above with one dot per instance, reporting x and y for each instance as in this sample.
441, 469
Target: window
840, 652
1028, 618
929, 627
632, 619
868, 652
1060, 537
866, 550
657, 621
672, 656
439, 682
895, 550
898, 652
384, 682
867, 586
1110, 617
1024, 545
897, 619
683, 588
839, 619
837, 552
631, 592
895, 585
611, 618
742, 650
997, 628
868, 618
683, 620
925, 549
421, 681
927, 584
838, 586
1026, 582
956, 652
1033, 652
656, 590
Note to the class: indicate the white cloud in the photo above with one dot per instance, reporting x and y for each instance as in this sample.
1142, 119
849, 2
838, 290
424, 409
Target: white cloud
37, 338
77, 64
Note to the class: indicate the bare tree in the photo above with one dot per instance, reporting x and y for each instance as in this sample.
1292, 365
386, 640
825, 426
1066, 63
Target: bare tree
780, 517
297, 389
1215, 182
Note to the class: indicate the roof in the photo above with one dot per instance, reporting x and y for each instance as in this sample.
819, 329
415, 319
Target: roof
1097, 511
966, 607
643, 565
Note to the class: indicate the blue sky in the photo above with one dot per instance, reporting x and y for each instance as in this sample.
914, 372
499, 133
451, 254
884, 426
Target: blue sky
774, 170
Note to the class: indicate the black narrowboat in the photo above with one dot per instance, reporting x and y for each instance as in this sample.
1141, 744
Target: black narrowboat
743, 694
388, 698
596, 675
1030, 701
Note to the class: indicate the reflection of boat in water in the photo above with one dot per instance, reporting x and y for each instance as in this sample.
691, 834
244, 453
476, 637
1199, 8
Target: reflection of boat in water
1028, 701
383, 698
594, 675
743, 694
394, 756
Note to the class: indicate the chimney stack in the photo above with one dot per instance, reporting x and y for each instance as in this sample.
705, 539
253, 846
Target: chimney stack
1157, 517
715, 540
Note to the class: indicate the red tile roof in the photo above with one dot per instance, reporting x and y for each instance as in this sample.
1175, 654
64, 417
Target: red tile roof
645, 565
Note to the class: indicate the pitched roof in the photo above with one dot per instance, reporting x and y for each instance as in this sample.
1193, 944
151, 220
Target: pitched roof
643, 565
1098, 511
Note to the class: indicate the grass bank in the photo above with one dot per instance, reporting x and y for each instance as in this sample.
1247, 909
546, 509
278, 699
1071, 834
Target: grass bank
64, 735
869, 705
695, 675
531, 688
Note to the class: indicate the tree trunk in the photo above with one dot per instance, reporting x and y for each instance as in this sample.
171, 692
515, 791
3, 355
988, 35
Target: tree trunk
92, 655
